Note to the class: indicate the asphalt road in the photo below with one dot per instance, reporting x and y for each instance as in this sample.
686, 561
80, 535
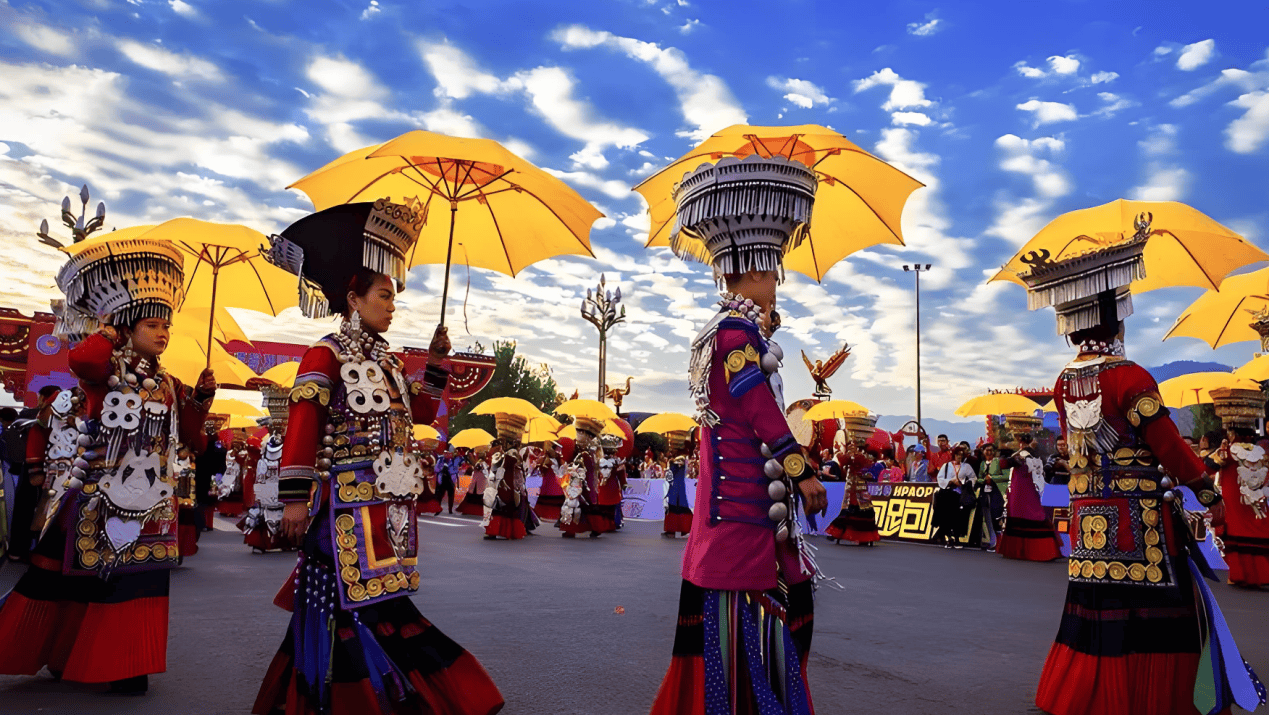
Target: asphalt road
917, 629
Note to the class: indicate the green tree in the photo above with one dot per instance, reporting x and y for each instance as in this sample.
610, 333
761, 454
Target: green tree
513, 377
1205, 420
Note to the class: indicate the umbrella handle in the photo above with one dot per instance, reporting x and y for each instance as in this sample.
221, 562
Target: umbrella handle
211, 313
449, 257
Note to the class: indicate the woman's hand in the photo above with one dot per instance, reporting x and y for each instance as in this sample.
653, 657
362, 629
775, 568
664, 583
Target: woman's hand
295, 521
814, 495
440, 347
206, 386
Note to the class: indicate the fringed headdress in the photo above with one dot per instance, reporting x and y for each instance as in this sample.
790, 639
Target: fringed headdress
320, 248
743, 215
510, 427
118, 283
1091, 288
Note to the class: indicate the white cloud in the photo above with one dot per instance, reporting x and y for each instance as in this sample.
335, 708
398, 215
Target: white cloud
801, 92
1165, 180
170, 63
184, 9
1103, 77
1018, 219
1048, 112
45, 38
344, 78
371, 10
612, 188
1027, 71
1162, 51
912, 118
1249, 132
704, 99
1112, 104
931, 25
690, 26
1196, 55
1060, 64
551, 94
457, 75
904, 93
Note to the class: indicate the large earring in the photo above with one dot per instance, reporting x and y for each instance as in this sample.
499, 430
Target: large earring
355, 321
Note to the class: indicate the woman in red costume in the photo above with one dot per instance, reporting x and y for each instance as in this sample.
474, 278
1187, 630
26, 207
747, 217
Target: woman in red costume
349, 479
1243, 467
551, 494
94, 605
857, 521
503, 493
580, 512
678, 514
1029, 534
1140, 633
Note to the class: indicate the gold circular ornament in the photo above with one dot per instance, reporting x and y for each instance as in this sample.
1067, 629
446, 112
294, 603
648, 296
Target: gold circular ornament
1154, 574
159, 551
391, 584
85, 543
1073, 569
374, 587
1150, 517
1128, 485
1148, 485
89, 514
1137, 572
1099, 523
1154, 554
142, 552
736, 361
1097, 541
348, 558
350, 574
348, 493
356, 592
1152, 537
1117, 571
346, 541
365, 491
1149, 503
1099, 569
345, 522
90, 488
89, 558
1086, 569
1081, 484
414, 580
346, 477
1148, 406
794, 464
87, 528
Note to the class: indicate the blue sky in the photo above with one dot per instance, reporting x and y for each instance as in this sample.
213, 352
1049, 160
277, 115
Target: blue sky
1011, 113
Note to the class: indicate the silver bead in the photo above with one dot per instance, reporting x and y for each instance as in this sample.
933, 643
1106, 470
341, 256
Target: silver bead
778, 511
328, 440
113, 381
770, 363
775, 349
81, 463
149, 383
77, 472
773, 469
323, 464
74, 483
330, 428
1166, 482
130, 379
84, 440
1169, 496
776, 490
766, 451
782, 534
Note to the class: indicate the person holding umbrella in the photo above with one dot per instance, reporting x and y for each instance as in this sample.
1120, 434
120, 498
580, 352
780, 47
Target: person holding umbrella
94, 605
349, 478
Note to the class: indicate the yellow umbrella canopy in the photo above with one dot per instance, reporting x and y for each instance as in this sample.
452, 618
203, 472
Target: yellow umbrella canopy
998, 403
230, 406
834, 409
498, 211
422, 432
1195, 388
567, 432
508, 405
284, 373
610, 427
1257, 369
543, 428
185, 358
241, 422
590, 409
667, 422
471, 439
192, 321
1185, 248
858, 203
1224, 316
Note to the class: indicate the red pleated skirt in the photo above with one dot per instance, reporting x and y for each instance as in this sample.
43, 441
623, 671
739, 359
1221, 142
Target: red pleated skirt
1029, 540
472, 505
263, 540
230, 507
1247, 569
854, 525
1075, 683
548, 506
187, 539
677, 522
431, 505
508, 527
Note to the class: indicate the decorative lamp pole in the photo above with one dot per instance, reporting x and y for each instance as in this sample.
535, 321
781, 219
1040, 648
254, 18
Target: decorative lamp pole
918, 269
81, 227
601, 309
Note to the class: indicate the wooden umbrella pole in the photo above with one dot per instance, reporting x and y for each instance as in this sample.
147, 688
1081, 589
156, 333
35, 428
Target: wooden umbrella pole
211, 315
449, 256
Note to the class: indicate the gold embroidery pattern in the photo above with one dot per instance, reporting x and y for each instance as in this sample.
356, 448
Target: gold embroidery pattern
311, 391
1147, 406
794, 465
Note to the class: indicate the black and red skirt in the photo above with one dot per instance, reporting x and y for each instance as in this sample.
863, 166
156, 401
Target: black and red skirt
473, 504
678, 520
548, 506
1029, 540
854, 524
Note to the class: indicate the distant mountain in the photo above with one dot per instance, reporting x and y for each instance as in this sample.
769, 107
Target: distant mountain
1185, 367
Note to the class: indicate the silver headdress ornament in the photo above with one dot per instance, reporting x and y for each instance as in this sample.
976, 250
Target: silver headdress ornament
1090, 288
112, 282
743, 214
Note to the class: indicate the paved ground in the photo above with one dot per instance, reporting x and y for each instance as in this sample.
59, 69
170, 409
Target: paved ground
917, 630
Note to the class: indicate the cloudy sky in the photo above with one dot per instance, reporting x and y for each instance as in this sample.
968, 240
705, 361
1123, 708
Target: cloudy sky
1010, 113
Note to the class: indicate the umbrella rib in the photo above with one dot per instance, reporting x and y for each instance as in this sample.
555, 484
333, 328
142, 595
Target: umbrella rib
1188, 252
547, 206
874, 213
480, 189
502, 241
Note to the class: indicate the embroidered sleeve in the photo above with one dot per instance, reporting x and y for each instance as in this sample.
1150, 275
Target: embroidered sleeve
306, 423
741, 362
1146, 408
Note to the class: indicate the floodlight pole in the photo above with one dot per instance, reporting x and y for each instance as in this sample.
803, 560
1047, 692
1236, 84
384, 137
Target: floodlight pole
600, 309
918, 269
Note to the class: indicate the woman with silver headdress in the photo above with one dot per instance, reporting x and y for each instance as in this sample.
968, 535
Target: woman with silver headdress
746, 603
349, 480
94, 605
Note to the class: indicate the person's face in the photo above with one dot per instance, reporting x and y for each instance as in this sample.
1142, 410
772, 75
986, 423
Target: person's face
1203, 443
377, 305
989, 452
942, 443
1061, 448
758, 286
150, 337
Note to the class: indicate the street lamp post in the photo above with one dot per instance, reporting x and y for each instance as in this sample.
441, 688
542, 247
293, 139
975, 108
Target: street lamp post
603, 310
918, 269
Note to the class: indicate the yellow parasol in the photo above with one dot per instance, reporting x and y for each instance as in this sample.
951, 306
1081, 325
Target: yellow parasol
471, 439
190, 320
222, 252
666, 422
1257, 369
998, 403
283, 374
186, 359
858, 203
422, 432
230, 406
834, 409
1195, 388
504, 212
241, 422
610, 427
508, 405
1225, 316
590, 409
567, 432
543, 428
1185, 248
